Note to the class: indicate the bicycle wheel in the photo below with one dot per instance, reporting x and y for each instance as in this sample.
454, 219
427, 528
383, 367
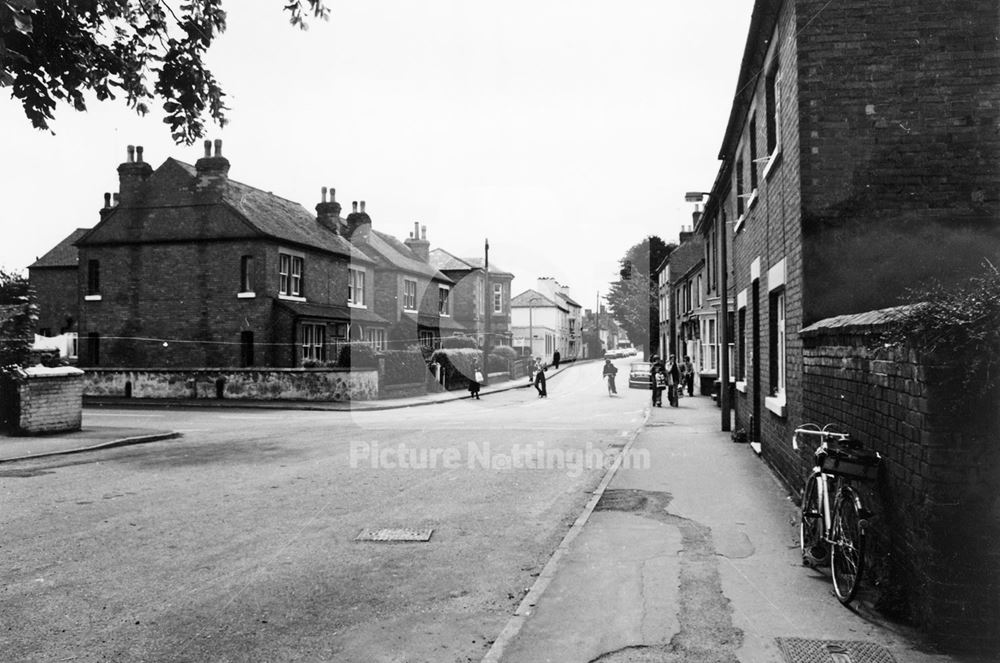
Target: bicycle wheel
848, 537
814, 553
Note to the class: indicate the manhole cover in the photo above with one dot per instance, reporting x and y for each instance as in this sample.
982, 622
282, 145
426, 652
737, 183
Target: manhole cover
804, 650
418, 535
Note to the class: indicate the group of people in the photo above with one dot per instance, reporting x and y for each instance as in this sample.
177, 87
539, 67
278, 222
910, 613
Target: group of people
666, 376
536, 375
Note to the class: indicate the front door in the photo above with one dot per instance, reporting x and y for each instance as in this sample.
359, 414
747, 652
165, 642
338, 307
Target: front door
755, 363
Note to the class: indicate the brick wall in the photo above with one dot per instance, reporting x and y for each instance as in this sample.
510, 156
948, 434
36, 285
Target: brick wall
900, 100
51, 402
54, 290
328, 384
935, 555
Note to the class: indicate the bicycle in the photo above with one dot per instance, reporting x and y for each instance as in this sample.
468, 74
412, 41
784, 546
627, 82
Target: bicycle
835, 535
611, 385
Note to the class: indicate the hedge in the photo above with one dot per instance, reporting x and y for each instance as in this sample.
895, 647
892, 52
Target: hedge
404, 366
458, 342
459, 365
504, 351
357, 355
497, 363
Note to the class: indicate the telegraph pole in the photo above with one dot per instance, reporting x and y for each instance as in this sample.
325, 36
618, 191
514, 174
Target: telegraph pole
488, 297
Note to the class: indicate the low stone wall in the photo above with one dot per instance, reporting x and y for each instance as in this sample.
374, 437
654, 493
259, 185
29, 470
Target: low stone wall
51, 400
262, 384
935, 558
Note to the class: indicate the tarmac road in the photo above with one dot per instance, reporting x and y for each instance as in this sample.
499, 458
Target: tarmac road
236, 541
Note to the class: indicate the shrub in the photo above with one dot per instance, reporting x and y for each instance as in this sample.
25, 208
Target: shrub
404, 366
497, 363
960, 325
312, 363
504, 351
459, 365
457, 342
356, 355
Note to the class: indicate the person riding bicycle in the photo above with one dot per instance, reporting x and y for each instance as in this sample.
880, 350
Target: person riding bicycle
610, 371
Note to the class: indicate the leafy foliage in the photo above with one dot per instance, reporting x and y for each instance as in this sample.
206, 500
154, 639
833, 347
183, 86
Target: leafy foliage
633, 299
960, 324
356, 355
458, 342
459, 365
404, 366
55, 51
18, 316
505, 351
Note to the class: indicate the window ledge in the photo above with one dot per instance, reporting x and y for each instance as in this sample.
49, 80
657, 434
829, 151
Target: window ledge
353, 305
292, 298
409, 310
773, 161
739, 223
775, 404
246, 295
741, 386
751, 201
91, 298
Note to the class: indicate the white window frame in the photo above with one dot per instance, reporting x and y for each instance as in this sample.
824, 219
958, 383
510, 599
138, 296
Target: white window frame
498, 297
376, 338
291, 267
444, 301
773, 66
409, 299
312, 339
776, 275
356, 287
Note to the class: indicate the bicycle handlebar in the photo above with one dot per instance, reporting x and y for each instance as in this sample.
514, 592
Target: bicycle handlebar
824, 433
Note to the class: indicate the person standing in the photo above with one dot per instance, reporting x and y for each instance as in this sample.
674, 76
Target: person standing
555, 359
540, 378
610, 371
673, 380
659, 382
476, 382
687, 369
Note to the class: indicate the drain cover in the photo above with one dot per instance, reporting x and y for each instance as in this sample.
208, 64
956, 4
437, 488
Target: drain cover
804, 650
418, 535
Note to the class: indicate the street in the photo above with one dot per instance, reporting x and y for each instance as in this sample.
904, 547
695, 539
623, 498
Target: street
236, 542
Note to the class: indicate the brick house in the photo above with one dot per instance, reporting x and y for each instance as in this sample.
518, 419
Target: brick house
860, 158
53, 279
693, 317
194, 269
470, 300
412, 296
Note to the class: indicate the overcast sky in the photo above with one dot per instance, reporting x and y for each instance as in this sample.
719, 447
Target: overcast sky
563, 130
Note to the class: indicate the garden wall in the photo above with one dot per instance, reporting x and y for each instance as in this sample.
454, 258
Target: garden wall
310, 384
936, 545
50, 400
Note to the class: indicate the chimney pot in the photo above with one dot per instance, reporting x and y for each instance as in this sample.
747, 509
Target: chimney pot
138, 153
333, 195
423, 232
362, 207
131, 153
324, 194
116, 198
208, 149
416, 230
218, 147
107, 200
354, 207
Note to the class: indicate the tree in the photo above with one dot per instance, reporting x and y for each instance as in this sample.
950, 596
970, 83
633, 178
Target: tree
54, 51
633, 298
17, 320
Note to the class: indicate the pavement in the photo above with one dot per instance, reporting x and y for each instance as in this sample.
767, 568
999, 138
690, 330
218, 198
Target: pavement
688, 551
90, 438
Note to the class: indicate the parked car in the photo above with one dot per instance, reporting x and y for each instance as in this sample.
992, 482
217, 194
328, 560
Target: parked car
640, 375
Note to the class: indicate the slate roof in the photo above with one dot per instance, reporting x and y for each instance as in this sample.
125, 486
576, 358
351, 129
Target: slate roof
398, 255
331, 312
479, 262
569, 300
262, 211
523, 300
445, 261
686, 256
63, 254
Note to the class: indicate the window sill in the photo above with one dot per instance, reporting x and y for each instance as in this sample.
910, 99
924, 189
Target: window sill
409, 310
775, 404
773, 161
751, 201
246, 295
292, 298
353, 305
739, 223
91, 298
741, 386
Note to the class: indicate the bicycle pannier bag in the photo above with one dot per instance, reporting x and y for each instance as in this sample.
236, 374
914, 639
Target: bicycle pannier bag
858, 464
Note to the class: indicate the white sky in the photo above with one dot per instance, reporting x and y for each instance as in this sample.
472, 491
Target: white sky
563, 130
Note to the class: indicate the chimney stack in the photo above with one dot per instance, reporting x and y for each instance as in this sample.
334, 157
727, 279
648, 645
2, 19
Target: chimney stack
328, 213
107, 205
359, 224
418, 243
131, 175
213, 172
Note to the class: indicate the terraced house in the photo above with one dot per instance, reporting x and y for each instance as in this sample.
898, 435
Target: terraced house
191, 268
473, 299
